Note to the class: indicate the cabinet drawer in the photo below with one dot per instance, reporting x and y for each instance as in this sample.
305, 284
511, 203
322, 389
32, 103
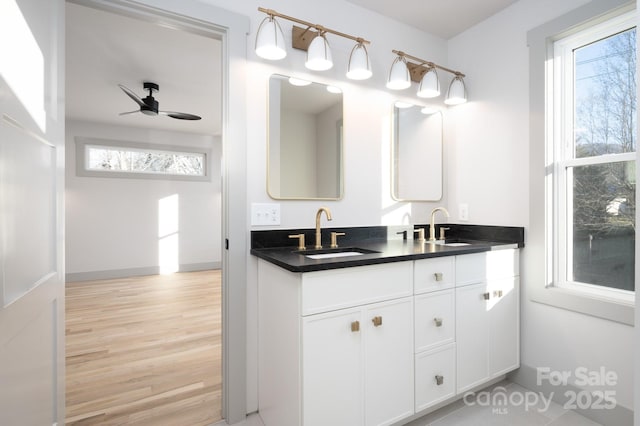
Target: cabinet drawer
324, 291
434, 274
480, 267
434, 319
435, 376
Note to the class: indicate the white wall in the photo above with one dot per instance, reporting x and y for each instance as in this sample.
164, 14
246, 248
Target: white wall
112, 223
367, 125
489, 170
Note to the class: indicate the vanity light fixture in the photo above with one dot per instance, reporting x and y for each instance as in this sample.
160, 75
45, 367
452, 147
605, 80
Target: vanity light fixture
424, 72
457, 93
319, 54
399, 77
313, 40
270, 39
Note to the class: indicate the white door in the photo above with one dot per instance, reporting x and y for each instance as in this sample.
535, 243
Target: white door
31, 212
332, 368
504, 330
388, 363
472, 336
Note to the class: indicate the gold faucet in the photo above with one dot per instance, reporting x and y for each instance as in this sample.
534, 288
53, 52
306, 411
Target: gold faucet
432, 226
318, 234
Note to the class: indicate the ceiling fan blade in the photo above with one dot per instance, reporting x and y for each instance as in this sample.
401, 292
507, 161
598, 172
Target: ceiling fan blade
180, 115
129, 112
132, 95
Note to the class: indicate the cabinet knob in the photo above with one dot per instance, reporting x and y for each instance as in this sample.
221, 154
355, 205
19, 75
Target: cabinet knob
438, 276
438, 322
486, 296
355, 326
439, 380
377, 321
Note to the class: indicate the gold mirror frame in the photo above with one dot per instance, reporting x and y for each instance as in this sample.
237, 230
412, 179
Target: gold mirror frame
304, 141
416, 154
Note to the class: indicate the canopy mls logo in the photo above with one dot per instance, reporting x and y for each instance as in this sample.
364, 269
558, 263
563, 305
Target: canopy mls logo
594, 393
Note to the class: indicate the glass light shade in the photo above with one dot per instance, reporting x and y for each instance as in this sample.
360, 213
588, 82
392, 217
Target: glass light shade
359, 66
399, 77
428, 110
270, 40
319, 54
334, 89
429, 85
457, 93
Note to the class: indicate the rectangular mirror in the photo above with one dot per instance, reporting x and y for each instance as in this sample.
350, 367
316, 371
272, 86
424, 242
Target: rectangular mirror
304, 140
416, 160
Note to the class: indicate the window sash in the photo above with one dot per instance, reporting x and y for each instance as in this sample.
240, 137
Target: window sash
561, 159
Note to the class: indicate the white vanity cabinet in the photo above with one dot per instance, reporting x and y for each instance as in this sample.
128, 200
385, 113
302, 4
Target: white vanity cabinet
336, 346
372, 345
487, 316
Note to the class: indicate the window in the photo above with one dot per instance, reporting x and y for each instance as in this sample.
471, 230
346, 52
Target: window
592, 144
136, 160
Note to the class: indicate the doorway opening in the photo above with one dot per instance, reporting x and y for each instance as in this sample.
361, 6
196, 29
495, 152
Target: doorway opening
143, 254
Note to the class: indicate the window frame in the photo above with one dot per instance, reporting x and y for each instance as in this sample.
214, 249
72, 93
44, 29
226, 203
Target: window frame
561, 113
82, 170
537, 255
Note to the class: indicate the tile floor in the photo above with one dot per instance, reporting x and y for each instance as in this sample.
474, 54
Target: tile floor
505, 404
480, 411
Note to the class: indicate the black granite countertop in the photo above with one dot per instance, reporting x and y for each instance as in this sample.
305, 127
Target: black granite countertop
271, 247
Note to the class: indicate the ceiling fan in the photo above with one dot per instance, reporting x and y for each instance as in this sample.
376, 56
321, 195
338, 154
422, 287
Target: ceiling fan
150, 106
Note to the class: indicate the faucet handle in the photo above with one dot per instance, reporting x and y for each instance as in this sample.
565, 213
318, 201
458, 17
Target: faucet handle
300, 237
420, 232
442, 229
334, 238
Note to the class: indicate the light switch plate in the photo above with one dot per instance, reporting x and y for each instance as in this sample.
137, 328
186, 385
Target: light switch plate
265, 214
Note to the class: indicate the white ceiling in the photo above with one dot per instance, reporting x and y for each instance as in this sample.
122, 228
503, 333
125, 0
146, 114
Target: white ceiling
105, 49
443, 18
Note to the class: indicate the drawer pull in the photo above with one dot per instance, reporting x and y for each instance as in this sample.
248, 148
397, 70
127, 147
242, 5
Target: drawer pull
438, 276
438, 322
377, 321
439, 380
486, 296
497, 293
355, 326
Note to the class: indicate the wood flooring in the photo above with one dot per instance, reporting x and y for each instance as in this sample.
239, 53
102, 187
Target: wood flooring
144, 350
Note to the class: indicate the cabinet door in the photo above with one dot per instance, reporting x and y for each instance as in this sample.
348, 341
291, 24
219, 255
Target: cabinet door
504, 331
332, 368
389, 374
472, 336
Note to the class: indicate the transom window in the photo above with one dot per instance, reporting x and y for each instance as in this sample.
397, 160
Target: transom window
593, 144
136, 160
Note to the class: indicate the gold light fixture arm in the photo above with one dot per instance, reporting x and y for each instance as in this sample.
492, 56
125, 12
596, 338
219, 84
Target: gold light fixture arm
321, 29
422, 62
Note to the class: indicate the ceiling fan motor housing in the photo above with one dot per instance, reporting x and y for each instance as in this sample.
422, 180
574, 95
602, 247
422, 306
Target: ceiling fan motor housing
150, 106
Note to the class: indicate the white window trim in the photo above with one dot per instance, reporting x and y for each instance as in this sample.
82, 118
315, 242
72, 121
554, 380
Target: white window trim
82, 157
538, 264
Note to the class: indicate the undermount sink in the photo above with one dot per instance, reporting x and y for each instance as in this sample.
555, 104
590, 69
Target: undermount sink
453, 243
334, 252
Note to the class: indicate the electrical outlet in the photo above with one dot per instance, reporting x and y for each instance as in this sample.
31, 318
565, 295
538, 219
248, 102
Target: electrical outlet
463, 211
265, 214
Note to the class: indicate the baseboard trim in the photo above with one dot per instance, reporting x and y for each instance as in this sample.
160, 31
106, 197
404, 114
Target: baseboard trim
527, 377
136, 272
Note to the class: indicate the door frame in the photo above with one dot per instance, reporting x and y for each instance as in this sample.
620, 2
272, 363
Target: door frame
231, 29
